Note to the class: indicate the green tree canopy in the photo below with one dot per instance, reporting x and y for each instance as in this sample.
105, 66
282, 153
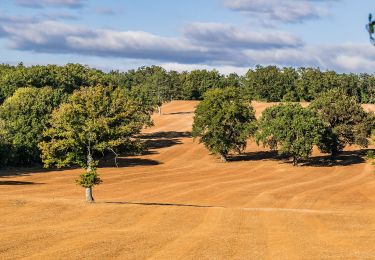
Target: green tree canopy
271, 83
224, 121
346, 118
24, 116
93, 121
155, 82
264, 83
291, 130
197, 82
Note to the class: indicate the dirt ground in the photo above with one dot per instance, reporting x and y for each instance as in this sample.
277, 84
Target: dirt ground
179, 202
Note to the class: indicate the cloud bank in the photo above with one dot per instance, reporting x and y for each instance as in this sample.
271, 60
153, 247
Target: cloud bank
290, 11
50, 3
200, 43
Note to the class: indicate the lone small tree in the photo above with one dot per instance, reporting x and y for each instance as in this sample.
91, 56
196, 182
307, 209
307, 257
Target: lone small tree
88, 180
347, 120
224, 121
94, 120
291, 130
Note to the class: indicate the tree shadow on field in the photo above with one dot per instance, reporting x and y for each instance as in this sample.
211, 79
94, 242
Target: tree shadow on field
160, 140
123, 162
152, 142
166, 135
345, 158
23, 171
18, 183
160, 204
179, 113
256, 156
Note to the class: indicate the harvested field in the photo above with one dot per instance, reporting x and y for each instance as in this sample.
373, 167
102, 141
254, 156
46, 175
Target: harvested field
179, 202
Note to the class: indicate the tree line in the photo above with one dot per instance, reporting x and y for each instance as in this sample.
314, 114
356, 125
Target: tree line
262, 83
73, 115
225, 120
29, 95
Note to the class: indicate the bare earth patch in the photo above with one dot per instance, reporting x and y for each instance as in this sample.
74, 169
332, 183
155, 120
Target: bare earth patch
179, 202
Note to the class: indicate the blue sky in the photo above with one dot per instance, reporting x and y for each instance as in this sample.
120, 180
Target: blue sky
228, 35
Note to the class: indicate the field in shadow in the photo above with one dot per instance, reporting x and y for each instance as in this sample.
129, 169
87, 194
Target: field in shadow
345, 158
128, 162
160, 204
24, 171
255, 156
160, 140
18, 183
180, 113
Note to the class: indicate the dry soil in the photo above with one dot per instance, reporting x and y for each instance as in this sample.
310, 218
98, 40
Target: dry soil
180, 202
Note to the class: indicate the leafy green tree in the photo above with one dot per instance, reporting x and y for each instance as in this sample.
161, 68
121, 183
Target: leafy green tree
5, 145
198, 82
291, 130
289, 77
74, 76
346, 118
156, 81
350, 84
67, 78
142, 95
231, 80
309, 83
175, 85
93, 121
24, 116
224, 121
160, 86
370, 28
12, 79
366, 88
271, 84
88, 180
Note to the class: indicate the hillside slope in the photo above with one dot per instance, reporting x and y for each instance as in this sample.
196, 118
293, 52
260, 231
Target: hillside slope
179, 202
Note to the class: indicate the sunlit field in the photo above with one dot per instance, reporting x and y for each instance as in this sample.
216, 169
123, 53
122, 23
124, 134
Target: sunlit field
179, 202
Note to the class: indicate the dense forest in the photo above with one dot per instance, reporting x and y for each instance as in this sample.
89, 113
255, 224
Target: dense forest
269, 83
56, 113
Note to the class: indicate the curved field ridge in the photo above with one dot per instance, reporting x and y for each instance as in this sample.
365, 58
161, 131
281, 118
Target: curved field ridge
179, 202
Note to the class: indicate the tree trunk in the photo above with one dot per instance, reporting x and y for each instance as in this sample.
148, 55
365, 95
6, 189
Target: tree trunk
159, 110
89, 197
334, 153
89, 160
223, 158
295, 161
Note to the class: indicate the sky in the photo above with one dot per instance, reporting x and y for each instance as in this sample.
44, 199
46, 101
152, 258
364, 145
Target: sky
227, 35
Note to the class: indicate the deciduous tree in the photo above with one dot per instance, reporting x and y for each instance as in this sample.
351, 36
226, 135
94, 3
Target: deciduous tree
24, 116
346, 118
224, 121
93, 121
291, 130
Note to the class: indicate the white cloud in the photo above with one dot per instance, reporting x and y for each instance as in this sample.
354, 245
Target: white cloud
276, 10
192, 47
227, 36
225, 47
50, 3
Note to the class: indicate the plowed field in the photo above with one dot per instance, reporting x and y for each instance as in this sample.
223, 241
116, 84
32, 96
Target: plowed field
180, 202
